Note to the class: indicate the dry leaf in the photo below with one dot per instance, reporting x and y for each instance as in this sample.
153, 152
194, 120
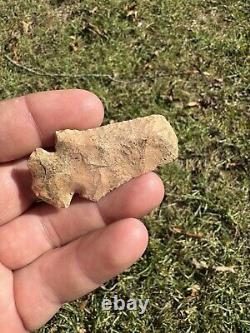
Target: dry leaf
81, 330
195, 288
224, 269
26, 26
192, 104
178, 230
195, 234
199, 264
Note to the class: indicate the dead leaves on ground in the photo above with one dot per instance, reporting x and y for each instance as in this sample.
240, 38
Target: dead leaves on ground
181, 231
199, 265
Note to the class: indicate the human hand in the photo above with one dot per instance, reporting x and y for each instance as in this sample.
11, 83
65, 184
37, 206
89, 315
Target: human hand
50, 256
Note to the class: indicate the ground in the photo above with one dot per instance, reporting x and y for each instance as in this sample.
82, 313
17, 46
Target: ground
186, 60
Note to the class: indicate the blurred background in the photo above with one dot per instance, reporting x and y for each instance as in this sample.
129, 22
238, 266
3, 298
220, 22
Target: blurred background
186, 60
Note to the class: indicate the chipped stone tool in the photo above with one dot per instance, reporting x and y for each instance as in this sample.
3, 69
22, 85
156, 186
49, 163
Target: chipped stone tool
95, 161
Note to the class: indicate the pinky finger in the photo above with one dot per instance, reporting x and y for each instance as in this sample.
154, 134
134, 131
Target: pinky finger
70, 272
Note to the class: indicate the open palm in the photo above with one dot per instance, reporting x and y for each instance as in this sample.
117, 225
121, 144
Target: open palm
50, 256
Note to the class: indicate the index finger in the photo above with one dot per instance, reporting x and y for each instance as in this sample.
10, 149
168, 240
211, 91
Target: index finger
30, 121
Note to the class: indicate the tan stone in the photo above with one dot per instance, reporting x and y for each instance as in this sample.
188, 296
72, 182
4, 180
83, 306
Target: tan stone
95, 161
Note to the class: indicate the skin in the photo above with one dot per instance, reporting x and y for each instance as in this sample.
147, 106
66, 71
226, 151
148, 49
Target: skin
50, 256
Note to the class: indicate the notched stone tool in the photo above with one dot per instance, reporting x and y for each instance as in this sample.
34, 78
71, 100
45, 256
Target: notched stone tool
93, 162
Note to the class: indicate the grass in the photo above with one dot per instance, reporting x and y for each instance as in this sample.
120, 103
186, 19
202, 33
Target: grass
187, 60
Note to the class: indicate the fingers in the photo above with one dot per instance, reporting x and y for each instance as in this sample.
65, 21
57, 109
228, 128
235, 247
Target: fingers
15, 192
76, 269
45, 227
139, 196
29, 122
9, 318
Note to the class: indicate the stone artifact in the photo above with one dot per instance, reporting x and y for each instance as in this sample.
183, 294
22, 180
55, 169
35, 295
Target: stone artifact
95, 161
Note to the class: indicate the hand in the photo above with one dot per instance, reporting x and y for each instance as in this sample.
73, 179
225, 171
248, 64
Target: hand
50, 256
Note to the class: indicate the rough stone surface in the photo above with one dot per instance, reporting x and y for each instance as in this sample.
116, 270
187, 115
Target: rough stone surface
95, 161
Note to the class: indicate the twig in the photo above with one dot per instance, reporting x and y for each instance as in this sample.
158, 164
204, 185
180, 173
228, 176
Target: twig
37, 71
42, 73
